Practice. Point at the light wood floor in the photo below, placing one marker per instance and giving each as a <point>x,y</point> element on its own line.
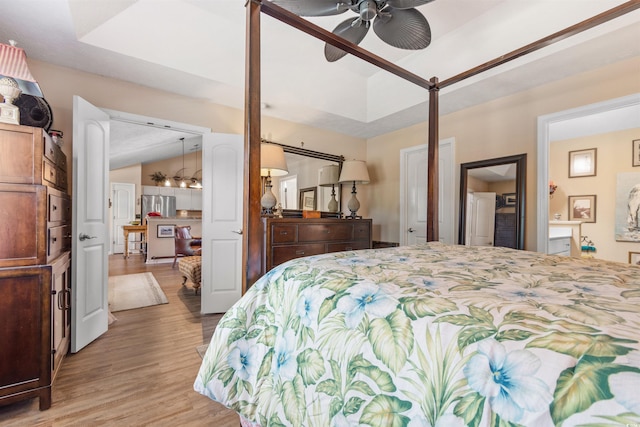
<point>140,373</point>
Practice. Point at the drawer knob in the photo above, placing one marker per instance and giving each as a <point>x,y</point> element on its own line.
<point>54,239</point>
<point>54,207</point>
<point>299,252</point>
<point>348,248</point>
<point>283,233</point>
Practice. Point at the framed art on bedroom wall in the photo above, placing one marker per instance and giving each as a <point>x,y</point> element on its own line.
<point>582,208</point>
<point>582,163</point>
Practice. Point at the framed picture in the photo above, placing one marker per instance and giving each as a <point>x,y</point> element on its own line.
<point>635,152</point>
<point>582,208</point>
<point>307,200</point>
<point>166,230</point>
<point>627,219</point>
<point>509,199</point>
<point>582,163</point>
<point>634,258</point>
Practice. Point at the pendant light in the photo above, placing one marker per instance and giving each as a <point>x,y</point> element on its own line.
<point>183,183</point>
<point>194,181</point>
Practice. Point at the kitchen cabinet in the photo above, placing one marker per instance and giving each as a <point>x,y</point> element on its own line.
<point>35,251</point>
<point>187,199</point>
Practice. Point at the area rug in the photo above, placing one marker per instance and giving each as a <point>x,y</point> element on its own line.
<point>134,291</point>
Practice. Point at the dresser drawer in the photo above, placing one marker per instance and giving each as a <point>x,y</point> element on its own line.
<point>362,231</point>
<point>57,241</point>
<point>347,246</point>
<point>49,173</point>
<point>285,253</point>
<point>281,233</point>
<point>324,232</point>
<point>59,207</point>
<point>560,246</point>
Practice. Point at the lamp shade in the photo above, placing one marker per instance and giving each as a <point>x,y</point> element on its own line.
<point>13,64</point>
<point>272,161</point>
<point>354,171</point>
<point>329,176</point>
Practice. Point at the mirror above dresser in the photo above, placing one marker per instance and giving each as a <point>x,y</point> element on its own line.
<point>307,185</point>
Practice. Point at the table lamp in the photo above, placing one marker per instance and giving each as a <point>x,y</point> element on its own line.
<point>15,79</point>
<point>272,163</point>
<point>354,171</point>
<point>329,177</point>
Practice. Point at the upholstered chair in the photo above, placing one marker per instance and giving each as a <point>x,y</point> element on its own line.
<point>185,244</point>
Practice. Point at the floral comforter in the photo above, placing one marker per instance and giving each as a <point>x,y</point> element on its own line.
<point>432,335</point>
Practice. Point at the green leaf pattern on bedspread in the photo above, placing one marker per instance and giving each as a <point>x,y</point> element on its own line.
<point>432,335</point>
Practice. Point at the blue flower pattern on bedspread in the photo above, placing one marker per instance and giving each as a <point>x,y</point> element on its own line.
<point>432,335</point>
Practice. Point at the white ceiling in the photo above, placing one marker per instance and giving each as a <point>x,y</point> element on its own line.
<point>196,48</point>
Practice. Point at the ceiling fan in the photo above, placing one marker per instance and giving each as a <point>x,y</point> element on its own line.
<point>396,22</point>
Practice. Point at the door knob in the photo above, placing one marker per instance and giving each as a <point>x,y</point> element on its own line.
<point>411,230</point>
<point>237,231</point>
<point>84,237</point>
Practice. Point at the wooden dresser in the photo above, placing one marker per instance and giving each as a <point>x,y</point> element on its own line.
<point>289,238</point>
<point>35,279</point>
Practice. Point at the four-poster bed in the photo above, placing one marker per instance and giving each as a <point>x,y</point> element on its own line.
<point>423,334</point>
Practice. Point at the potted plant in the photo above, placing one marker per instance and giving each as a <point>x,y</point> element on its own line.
<point>158,177</point>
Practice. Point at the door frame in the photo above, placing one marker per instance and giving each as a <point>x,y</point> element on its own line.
<point>112,204</point>
<point>446,182</point>
<point>546,125</point>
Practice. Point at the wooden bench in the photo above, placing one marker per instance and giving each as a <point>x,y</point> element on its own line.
<point>191,269</point>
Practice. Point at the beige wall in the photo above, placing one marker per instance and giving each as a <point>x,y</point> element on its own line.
<point>59,84</point>
<point>613,157</point>
<point>504,127</point>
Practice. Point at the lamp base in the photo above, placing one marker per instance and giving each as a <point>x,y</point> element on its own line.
<point>354,203</point>
<point>9,113</point>
<point>268,200</point>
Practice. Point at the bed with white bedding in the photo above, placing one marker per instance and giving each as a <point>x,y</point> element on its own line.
<point>432,335</point>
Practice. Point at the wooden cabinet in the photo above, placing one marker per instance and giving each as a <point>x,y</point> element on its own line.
<point>35,244</point>
<point>505,230</point>
<point>289,238</point>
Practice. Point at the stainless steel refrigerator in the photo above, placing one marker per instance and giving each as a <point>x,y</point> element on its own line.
<point>166,205</point>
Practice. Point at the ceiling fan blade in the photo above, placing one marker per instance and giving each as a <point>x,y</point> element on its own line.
<point>406,4</point>
<point>403,28</point>
<point>312,7</point>
<point>352,33</point>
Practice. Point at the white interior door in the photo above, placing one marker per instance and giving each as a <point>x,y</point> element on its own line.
<point>89,308</point>
<point>222,212</point>
<point>123,211</point>
<point>413,193</point>
<point>289,192</point>
<point>483,219</point>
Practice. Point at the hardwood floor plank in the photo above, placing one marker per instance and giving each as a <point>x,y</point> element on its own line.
<point>140,372</point>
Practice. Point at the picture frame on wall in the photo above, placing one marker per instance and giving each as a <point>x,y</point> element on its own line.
<point>509,199</point>
<point>634,258</point>
<point>582,208</point>
<point>166,230</point>
<point>307,199</point>
<point>635,152</point>
<point>582,163</point>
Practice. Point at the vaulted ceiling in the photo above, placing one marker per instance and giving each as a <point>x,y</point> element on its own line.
<point>196,48</point>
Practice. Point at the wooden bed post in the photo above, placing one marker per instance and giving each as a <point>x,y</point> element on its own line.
<point>252,225</point>
<point>432,164</point>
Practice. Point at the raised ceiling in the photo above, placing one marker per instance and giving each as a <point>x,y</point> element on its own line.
<point>196,48</point>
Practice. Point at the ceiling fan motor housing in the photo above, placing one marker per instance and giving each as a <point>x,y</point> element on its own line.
<point>368,10</point>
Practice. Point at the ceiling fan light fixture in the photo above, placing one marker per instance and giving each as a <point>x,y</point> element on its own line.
<point>368,10</point>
